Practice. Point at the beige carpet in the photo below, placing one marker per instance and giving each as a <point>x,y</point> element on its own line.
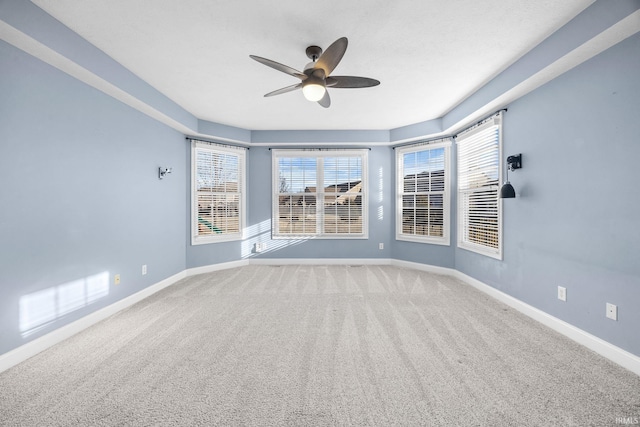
<point>318,345</point>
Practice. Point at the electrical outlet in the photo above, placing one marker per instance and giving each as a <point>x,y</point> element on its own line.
<point>381,246</point>
<point>562,293</point>
<point>612,311</point>
<point>144,269</point>
<point>259,247</point>
<point>116,279</point>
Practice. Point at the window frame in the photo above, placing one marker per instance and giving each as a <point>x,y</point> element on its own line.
<point>240,152</point>
<point>441,143</point>
<point>486,126</point>
<point>319,155</point>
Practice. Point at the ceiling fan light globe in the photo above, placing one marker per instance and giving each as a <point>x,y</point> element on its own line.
<point>313,91</point>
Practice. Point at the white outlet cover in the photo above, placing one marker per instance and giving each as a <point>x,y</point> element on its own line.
<point>612,311</point>
<point>562,293</point>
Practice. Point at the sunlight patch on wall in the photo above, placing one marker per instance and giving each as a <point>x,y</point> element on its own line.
<point>40,308</point>
<point>260,234</point>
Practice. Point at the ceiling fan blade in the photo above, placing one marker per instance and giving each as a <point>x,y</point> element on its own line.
<point>326,100</point>
<point>351,82</point>
<point>332,55</point>
<point>285,90</point>
<point>280,67</point>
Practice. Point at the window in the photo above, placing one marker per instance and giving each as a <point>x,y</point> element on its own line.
<point>422,213</point>
<point>319,193</point>
<point>218,189</point>
<point>479,209</point>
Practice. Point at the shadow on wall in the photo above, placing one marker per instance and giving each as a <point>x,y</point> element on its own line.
<point>41,308</point>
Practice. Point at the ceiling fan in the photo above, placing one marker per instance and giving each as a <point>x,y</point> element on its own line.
<point>315,79</point>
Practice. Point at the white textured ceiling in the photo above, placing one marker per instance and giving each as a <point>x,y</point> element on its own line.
<point>428,54</point>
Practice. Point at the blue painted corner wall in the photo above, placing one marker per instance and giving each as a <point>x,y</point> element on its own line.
<point>80,197</point>
<point>576,219</point>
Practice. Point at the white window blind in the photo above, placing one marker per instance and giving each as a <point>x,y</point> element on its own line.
<point>479,209</point>
<point>319,193</point>
<point>422,202</point>
<point>218,188</point>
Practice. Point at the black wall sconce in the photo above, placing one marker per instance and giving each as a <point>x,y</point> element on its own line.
<point>162,172</point>
<point>513,162</point>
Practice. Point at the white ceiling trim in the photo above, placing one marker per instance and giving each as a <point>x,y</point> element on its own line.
<point>38,50</point>
<point>429,55</point>
<point>613,35</point>
<point>606,39</point>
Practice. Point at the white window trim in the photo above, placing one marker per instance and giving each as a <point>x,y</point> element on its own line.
<point>319,153</point>
<point>470,246</point>
<point>228,237</point>
<point>445,240</point>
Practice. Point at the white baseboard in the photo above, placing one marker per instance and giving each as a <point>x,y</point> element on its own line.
<point>215,267</point>
<point>320,261</point>
<point>608,350</point>
<point>30,349</point>
<point>423,267</point>
<point>615,354</point>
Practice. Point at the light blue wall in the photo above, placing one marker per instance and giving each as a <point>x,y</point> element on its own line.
<point>576,219</point>
<point>79,192</point>
<point>319,136</point>
<point>224,132</point>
